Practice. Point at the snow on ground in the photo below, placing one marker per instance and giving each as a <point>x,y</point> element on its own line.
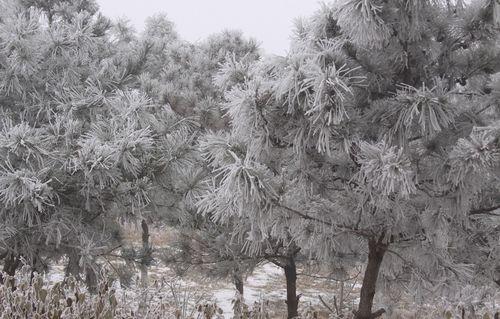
<point>56,274</point>
<point>267,282</point>
<point>255,288</point>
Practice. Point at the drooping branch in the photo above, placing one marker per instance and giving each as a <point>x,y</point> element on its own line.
<point>352,229</point>
<point>485,210</point>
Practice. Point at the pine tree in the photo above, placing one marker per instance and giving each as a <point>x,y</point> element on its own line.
<point>375,141</point>
<point>75,135</point>
<point>179,75</point>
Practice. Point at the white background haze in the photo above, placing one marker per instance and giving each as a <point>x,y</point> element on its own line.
<point>268,21</point>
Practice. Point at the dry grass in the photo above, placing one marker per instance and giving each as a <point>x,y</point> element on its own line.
<point>267,285</point>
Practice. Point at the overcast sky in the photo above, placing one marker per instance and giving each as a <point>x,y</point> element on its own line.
<point>268,21</point>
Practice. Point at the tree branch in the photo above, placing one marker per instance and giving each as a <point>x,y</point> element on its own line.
<point>324,222</point>
<point>485,210</point>
<point>324,304</point>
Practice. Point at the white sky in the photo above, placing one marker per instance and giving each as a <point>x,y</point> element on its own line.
<point>269,22</point>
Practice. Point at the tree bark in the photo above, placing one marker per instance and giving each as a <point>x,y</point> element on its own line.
<point>238,281</point>
<point>238,308</point>
<point>341,298</point>
<point>292,300</point>
<point>376,251</point>
<point>73,267</point>
<point>36,264</point>
<point>91,280</point>
<point>145,252</point>
<point>11,263</point>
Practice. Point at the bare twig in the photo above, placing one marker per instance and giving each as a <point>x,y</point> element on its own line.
<point>326,305</point>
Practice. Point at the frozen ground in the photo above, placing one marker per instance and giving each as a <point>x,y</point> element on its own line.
<point>266,283</point>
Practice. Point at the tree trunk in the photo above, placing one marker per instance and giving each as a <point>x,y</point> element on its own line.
<point>292,300</point>
<point>238,308</point>
<point>238,281</point>
<point>3,255</point>
<point>91,280</point>
<point>145,251</point>
<point>11,263</point>
<point>341,298</point>
<point>36,265</point>
<point>376,251</point>
<point>73,267</point>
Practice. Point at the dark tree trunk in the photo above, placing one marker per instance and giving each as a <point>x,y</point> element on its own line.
<point>376,251</point>
<point>73,267</point>
<point>238,281</point>
<point>292,300</point>
<point>145,252</point>
<point>2,257</point>
<point>37,264</point>
<point>91,280</point>
<point>146,255</point>
<point>11,263</point>
<point>238,302</point>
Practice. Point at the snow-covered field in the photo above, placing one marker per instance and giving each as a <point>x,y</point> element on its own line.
<point>267,283</point>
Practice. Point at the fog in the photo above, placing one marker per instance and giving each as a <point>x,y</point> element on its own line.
<point>269,22</point>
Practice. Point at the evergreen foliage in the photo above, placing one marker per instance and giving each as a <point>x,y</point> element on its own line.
<point>376,135</point>
<point>374,142</point>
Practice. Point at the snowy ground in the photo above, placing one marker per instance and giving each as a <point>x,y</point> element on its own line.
<point>266,283</point>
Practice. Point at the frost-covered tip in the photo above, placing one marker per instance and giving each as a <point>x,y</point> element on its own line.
<point>385,170</point>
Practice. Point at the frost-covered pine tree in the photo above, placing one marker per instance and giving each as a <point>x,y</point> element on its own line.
<point>80,144</point>
<point>374,141</point>
<point>44,56</point>
<point>220,206</point>
<point>178,75</point>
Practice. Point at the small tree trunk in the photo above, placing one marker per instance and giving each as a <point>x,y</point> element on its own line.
<point>238,308</point>
<point>2,257</point>
<point>91,280</point>
<point>144,267</point>
<point>238,281</point>
<point>341,299</point>
<point>11,263</point>
<point>292,300</point>
<point>36,264</point>
<point>376,251</point>
<point>145,250</point>
<point>73,267</point>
